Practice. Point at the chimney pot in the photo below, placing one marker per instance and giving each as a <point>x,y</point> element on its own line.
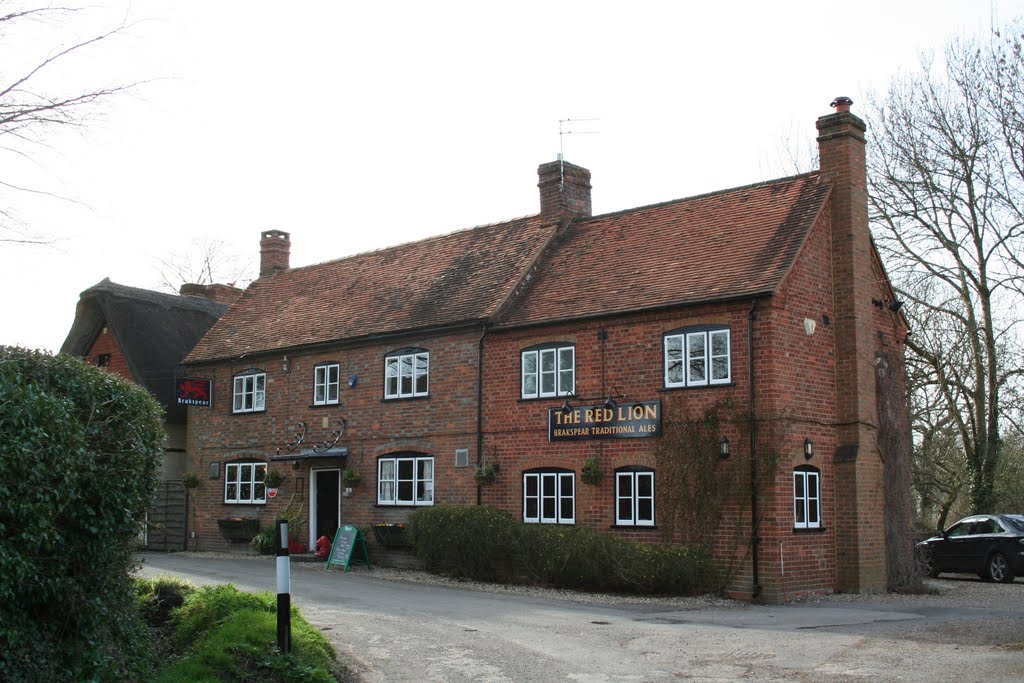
<point>841,104</point>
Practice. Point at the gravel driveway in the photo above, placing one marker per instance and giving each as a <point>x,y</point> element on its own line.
<point>397,625</point>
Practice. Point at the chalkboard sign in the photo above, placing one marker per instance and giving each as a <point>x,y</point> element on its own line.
<point>347,540</point>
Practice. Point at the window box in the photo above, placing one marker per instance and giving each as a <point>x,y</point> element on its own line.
<point>391,535</point>
<point>239,529</point>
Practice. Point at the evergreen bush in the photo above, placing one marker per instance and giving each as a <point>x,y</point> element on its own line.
<point>81,451</point>
<point>486,544</point>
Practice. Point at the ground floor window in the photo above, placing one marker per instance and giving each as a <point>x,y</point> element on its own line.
<point>405,480</point>
<point>549,497</point>
<point>243,482</point>
<point>806,498</point>
<point>634,496</point>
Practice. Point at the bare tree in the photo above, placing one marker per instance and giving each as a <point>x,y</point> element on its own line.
<point>31,106</point>
<point>207,262</point>
<point>946,186</point>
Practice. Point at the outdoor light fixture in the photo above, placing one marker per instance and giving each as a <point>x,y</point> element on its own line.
<point>609,399</point>
<point>723,448</point>
<point>808,449</point>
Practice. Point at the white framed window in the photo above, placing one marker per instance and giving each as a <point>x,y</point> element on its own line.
<point>250,392</point>
<point>549,497</point>
<point>406,373</point>
<point>634,497</point>
<point>326,383</point>
<point>405,480</point>
<point>697,357</point>
<point>549,371</point>
<point>243,482</point>
<point>806,497</point>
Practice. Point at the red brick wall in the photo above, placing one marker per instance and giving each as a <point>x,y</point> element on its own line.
<point>436,426</point>
<point>106,343</point>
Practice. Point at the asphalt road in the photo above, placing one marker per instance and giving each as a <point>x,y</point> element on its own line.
<point>400,631</point>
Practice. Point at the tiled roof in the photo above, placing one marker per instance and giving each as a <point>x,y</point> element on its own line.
<point>459,277</point>
<point>732,243</point>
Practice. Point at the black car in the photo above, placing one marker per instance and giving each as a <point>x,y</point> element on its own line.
<point>991,546</point>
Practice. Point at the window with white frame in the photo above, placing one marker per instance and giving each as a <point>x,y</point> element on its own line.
<point>549,497</point>
<point>250,392</point>
<point>244,482</point>
<point>806,497</point>
<point>549,370</point>
<point>634,496</point>
<point>326,383</point>
<point>405,480</point>
<point>406,373</point>
<point>697,356</point>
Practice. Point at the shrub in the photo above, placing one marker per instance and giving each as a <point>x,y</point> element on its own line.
<point>485,544</point>
<point>79,468</point>
<point>265,541</point>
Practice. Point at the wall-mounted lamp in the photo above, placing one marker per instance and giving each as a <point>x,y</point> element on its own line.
<point>723,448</point>
<point>285,365</point>
<point>808,449</point>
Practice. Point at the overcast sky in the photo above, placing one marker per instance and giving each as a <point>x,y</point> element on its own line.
<point>356,126</point>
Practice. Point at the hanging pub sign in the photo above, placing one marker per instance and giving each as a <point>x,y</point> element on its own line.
<point>615,421</point>
<point>193,391</point>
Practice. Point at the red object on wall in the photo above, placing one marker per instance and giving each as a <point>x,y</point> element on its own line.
<point>323,547</point>
<point>295,546</point>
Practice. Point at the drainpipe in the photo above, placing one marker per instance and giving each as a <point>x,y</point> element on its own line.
<point>480,405</point>
<point>754,541</point>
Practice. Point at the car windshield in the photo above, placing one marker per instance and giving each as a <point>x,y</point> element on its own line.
<point>1016,522</point>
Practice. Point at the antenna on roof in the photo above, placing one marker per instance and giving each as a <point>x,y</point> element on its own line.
<point>562,132</point>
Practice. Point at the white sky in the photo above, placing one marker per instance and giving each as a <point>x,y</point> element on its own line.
<point>356,126</point>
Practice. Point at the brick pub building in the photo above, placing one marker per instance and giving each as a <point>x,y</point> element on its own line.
<point>582,356</point>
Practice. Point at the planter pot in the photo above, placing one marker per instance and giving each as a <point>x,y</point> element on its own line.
<point>239,530</point>
<point>391,535</point>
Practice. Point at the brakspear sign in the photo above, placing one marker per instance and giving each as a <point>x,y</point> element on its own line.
<point>623,421</point>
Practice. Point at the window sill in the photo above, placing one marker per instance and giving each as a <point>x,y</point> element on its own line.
<point>397,399</point>
<point>315,406</point>
<point>249,412</point>
<point>635,527</point>
<point>808,530</point>
<point>727,385</point>
<point>391,506</point>
<point>242,502</point>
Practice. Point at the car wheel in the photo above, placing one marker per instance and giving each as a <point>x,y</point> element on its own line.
<point>926,564</point>
<point>999,568</point>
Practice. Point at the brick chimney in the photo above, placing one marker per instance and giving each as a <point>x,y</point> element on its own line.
<point>859,480</point>
<point>564,191</point>
<point>275,246</point>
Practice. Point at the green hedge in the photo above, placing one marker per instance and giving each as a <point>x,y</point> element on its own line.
<point>81,450</point>
<point>486,544</point>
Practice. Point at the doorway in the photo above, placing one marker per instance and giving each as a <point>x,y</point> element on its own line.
<point>325,503</point>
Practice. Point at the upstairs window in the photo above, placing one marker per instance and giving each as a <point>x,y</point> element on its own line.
<point>549,497</point>
<point>549,370</point>
<point>405,480</point>
<point>698,356</point>
<point>634,496</point>
<point>326,381</point>
<point>244,482</point>
<point>250,392</point>
<point>406,373</point>
<point>806,497</point>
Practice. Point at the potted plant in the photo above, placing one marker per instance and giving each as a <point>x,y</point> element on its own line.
<point>239,529</point>
<point>351,477</point>
<point>485,473</point>
<point>273,479</point>
<point>591,473</point>
<point>190,479</point>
